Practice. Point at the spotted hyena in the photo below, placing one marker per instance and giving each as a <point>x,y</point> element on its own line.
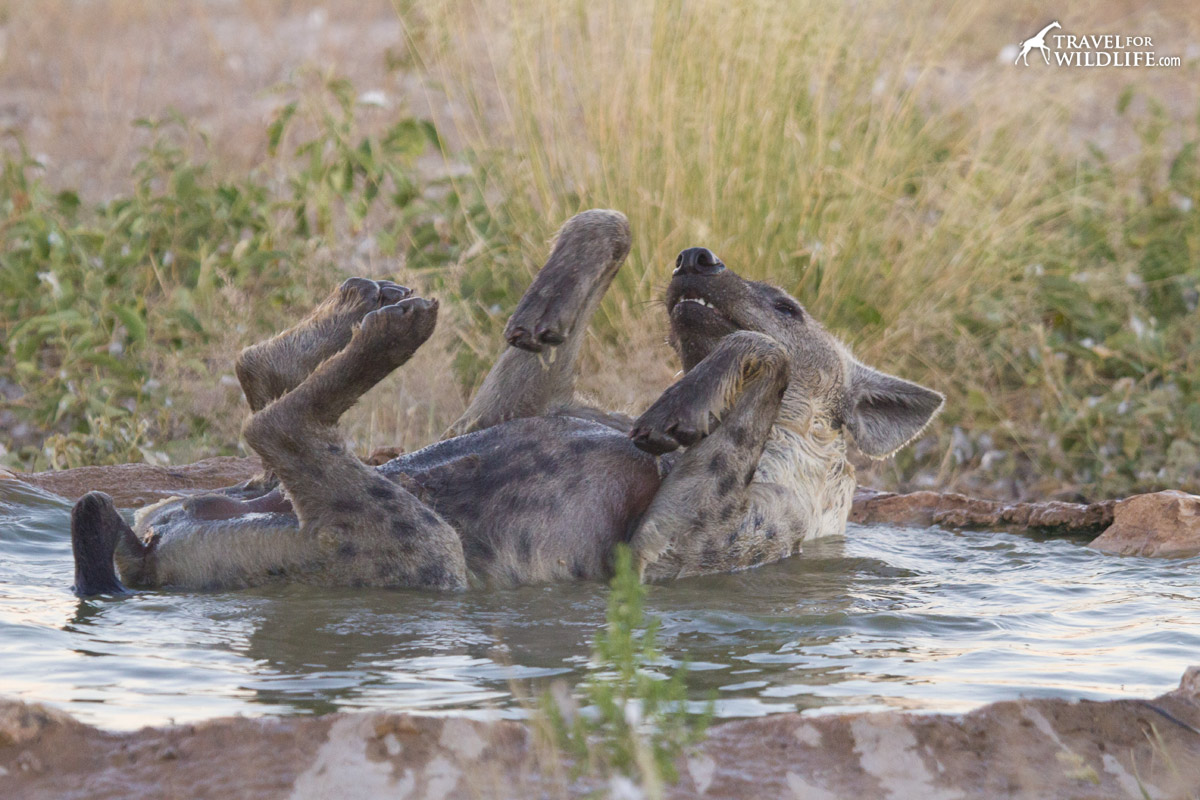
<point>735,465</point>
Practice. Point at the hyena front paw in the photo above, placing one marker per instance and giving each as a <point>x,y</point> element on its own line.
<point>587,253</point>
<point>397,330</point>
<point>675,420</point>
<point>357,297</point>
<point>540,322</point>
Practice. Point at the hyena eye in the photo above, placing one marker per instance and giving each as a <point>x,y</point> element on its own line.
<point>789,309</point>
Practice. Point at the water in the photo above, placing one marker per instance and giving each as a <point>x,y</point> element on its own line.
<point>886,618</point>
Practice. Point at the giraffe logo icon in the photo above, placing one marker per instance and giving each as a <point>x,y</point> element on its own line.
<point>1038,41</point>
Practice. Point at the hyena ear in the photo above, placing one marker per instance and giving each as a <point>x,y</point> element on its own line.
<point>884,412</point>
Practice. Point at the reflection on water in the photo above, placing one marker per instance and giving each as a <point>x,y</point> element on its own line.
<point>888,617</point>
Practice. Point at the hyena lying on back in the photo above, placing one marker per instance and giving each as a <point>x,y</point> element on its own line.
<point>735,465</point>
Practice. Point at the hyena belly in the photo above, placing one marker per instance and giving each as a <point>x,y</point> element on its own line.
<point>536,499</point>
<point>533,500</point>
<point>186,550</point>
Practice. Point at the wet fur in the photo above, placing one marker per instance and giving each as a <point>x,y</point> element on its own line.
<point>735,465</point>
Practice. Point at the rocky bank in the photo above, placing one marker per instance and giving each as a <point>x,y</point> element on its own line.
<point>1035,748</point>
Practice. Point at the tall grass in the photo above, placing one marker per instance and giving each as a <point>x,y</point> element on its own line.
<point>811,144</point>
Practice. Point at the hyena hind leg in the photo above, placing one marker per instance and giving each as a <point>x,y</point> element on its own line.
<point>370,531</point>
<point>536,373</point>
<point>268,370</point>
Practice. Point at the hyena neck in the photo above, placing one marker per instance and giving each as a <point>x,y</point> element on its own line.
<point>809,461</point>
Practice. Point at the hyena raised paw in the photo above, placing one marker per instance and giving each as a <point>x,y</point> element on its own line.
<point>270,369</point>
<point>679,418</point>
<point>390,335</point>
<point>587,254</point>
<point>357,297</point>
<point>329,327</point>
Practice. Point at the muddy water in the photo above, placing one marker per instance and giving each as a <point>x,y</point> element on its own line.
<point>888,617</point>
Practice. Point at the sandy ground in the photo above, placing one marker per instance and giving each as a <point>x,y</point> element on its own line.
<point>75,76</point>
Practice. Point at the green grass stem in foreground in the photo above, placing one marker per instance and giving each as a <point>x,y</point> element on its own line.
<point>635,721</point>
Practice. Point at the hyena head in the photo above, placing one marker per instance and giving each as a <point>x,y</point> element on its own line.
<point>829,392</point>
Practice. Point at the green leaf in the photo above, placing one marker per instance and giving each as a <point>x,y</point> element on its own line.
<point>132,321</point>
<point>276,129</point>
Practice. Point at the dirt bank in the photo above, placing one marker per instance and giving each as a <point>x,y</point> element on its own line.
<point>1037,748</point>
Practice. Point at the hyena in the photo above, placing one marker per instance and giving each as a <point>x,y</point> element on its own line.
<point>735,465</point>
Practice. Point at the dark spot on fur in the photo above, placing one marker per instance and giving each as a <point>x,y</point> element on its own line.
<point>433,575</point>
<point>579,570</point>
<point>578,447</point>
<point>523,446</point>
<point>429,518</point>
<point>383,571</point>
<point>741,436</point>
<point>758,519</point>
<point>346,506</point>
<point>726,484</point>
<point>347,550</point>
<point>479,550</point>
<point>718,464</point>
<point>770,534</point>
<point>525,545</point>
<point>402,528</point>
<point>334,448</point>
<point>733,537</point>
<point>727,512</point>
<point>382,491</point>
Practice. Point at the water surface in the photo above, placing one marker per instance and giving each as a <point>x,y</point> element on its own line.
<point>886,618</point>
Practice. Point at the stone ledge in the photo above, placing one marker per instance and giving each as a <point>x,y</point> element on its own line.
<point>1034,748</point>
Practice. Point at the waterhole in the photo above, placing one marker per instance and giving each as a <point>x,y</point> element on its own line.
<point>887,617</point>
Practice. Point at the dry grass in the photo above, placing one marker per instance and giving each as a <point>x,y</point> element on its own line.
<point>884,166</point>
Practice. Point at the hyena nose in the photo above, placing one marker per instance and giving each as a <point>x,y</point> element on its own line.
<point>697,261</point>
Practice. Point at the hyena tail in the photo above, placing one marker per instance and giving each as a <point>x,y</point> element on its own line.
<point>96,529</point>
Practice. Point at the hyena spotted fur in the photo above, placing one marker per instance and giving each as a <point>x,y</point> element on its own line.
<point>735,465</point>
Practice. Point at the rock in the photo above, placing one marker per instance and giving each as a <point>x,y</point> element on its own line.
<point>1028,749</point>
<point>136,485</point>
<point>1159,525</point>
<point>959,511</point>
<point>21,723</point>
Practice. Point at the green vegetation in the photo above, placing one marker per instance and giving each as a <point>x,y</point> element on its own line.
<point>102,306</point>
<point>636,721</point>
<point>1048,288</point>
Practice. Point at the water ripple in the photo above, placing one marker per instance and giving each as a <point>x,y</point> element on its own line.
<point>889,617</point>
